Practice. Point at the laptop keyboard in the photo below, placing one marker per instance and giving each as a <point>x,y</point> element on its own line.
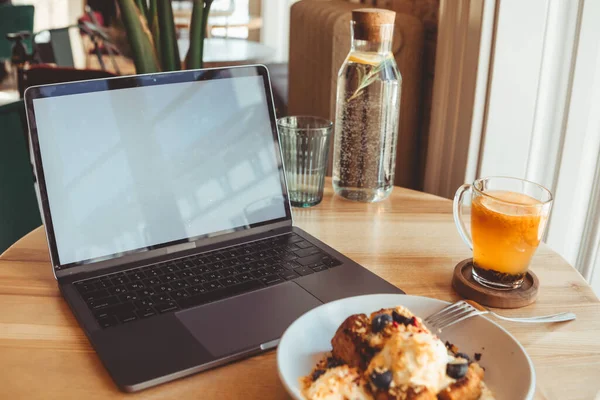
<point>143,292</point>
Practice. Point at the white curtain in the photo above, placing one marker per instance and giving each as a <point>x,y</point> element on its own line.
<point>543,117</point>
<point>54,13</point>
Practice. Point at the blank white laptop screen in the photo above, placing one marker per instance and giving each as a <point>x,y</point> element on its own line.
<point>127,169</point>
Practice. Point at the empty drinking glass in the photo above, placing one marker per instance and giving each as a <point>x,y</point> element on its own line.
<point>305,147</point>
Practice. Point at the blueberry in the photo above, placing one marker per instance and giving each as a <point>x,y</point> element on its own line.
<point>457,370</point>
<point>401,319</point>
<point>382,380</point>
<point>380,321</point>
<point>317,374</point>
<point>332,363</point>
<point>463,355</point>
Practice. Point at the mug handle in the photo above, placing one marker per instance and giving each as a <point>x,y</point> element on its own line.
<point>457,211</point>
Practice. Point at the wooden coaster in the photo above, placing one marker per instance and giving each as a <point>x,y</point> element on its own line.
<point>467,287</point>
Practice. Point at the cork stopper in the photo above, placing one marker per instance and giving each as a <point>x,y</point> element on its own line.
<point>368,21</point>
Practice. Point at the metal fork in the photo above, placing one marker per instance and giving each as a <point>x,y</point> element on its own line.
<point>464,309</point>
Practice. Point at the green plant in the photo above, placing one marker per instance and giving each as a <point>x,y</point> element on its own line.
<point>150,28</point>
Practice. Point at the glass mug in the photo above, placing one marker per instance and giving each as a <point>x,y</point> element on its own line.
<point>508,219</point>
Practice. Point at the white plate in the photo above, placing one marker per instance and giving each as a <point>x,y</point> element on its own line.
<point>509,371</point>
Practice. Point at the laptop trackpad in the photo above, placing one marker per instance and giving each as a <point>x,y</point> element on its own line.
<point>247,321</point>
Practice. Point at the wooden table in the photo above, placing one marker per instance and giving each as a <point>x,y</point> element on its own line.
<point>218,52</point>
<point>251,22</point>
<point>410,240</point>
<point>182,20</point>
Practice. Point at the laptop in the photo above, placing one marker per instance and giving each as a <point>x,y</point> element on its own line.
<point>166,211</point>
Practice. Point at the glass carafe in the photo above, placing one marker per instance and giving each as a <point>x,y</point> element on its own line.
<point>367,112</point>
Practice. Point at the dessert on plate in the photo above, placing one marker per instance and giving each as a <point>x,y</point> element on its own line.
<point>391,355</point>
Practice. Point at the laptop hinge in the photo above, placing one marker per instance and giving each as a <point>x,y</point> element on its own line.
<point>180,247</point>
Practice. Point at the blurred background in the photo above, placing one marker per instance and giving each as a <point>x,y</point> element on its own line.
<point>490,87</point>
